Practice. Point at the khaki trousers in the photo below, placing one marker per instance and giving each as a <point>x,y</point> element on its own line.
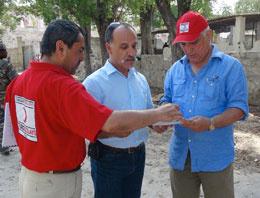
<point>186,184</point>
<point>42,185</point>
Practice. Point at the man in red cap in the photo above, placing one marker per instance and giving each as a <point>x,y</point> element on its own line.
<point>211,90</point>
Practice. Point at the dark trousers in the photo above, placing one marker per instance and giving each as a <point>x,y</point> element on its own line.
<point>118,174</point>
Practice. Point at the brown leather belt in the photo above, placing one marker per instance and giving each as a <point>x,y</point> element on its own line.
<point>64,171</point>
<point>129,150</point>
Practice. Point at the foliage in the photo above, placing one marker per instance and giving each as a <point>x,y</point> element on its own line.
<point>66,9</point>
<point>133,9</point>
<point>222,9</point>
<point>157,21</point>
<point>10,15</point>
<point>247,6</point>
<point>204,7</point>
<point>226,11</point>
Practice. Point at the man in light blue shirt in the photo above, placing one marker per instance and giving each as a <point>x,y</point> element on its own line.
<point>210,88</point>
<point>118,172</point>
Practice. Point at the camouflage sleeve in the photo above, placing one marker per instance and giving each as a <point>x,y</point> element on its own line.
<point>11,72</point>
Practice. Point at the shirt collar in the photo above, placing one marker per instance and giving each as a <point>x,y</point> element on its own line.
<point>110,69</point>
<point>48,66</point>
<point>215,54</point>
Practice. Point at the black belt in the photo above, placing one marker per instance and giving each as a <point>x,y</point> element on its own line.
<point>64,171</point>
<point>129,150</point>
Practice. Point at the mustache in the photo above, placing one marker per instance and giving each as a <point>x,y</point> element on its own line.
<point>129,58</point>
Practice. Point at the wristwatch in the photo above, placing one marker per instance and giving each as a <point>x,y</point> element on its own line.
<point>211,126</point>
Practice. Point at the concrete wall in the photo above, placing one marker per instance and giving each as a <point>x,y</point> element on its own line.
<point>252,68</point>
<point>16,55</point>
<point>13,54</point>
<point>239,40</point>
<point>154,67</point>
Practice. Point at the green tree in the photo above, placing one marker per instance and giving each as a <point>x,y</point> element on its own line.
<point>146,15</point>
<point>247,6</point>
<point>226,11</point>
<point>66,9</point>
<point>10,15</point>
<point>222,10</point>
<point>143,11</point>
<point>171,10</point>
<point>170,20</point>
<point>83,12</point>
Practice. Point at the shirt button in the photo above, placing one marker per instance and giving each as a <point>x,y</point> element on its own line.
<point>189,140</point>
<point>193,96</point>
<point>195,81</point>
<point>190,110</point>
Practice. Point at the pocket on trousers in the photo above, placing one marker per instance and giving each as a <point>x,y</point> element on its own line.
<point>31,187</point>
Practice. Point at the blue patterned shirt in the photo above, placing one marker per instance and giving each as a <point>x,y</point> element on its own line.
<point>219,85</point>
<point>116,91</point>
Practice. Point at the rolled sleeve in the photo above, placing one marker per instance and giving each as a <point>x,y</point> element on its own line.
<point>237,95</point>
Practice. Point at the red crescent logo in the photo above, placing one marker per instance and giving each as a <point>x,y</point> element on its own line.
<point>25,117</point>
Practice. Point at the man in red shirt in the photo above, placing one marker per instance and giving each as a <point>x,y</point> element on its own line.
<point>51,114</point>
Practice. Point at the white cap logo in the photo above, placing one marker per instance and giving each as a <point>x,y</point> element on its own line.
<point>184,27</point>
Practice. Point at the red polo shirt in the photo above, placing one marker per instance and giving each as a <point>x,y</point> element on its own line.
<point>51,115</point>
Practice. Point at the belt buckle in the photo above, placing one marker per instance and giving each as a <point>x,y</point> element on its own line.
<point>130,150</point>
<point>64,171</point>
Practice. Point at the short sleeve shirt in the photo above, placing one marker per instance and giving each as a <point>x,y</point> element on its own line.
<point>51,115</point>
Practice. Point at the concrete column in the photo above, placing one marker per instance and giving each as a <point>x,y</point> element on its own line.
<point>20,54</point>
<point>231,36</point>
<point>258,30</point>
<point>239,34</point>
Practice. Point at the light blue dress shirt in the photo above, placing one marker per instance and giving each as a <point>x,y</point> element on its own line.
<point>219,85</point>
<point>116,91</point>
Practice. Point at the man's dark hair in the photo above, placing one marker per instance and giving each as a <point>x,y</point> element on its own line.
<point>112,26</point>
<point>60,29</point>
<point>3,54</point>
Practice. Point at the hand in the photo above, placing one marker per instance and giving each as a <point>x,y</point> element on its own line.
<point>197,123</point>
<point>160,129</point>
<point>103,134</point>
<point>169,112</point>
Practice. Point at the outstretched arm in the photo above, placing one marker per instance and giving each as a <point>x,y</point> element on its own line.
<point>123,121</point>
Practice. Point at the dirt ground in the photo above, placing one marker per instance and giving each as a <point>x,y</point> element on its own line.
<point>246,166</point>
<point>156,182</point>
<point>247,142</point>
<point>247,139</point>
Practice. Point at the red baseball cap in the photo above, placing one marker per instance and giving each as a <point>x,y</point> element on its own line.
<point>189,27</point>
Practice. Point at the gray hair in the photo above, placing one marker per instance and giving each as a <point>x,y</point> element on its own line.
<point>203,33</point>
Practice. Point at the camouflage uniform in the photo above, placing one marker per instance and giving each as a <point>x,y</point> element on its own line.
<point>7,74</point>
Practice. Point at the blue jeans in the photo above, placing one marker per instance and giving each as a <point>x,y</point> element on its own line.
<point>118,174</point>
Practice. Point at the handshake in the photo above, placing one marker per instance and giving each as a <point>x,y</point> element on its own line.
<point>123,123</point>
